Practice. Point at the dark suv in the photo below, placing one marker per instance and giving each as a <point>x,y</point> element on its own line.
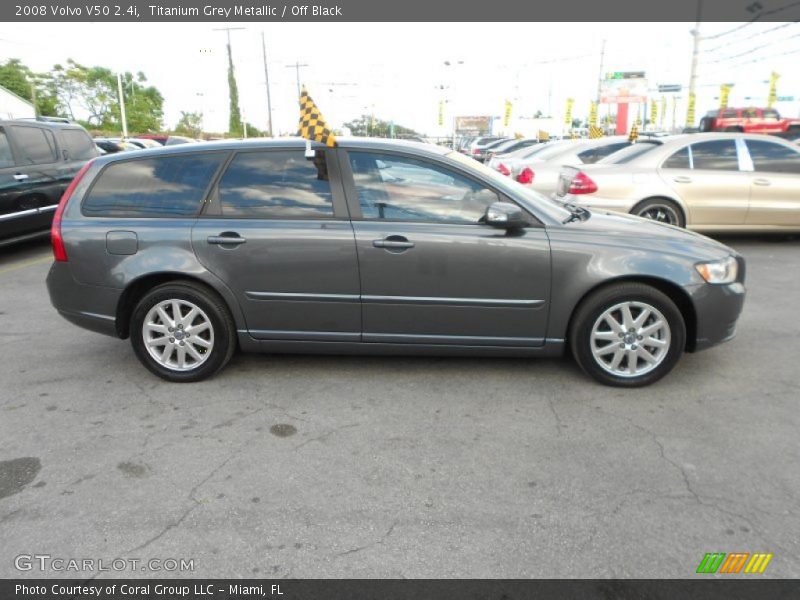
<point>373,247</point>
<point>38,159</point>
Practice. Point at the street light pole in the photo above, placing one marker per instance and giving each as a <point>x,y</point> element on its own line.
<point>447,63</point>
<point>122,107</point>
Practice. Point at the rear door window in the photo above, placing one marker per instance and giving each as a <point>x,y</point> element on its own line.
<point>166,186</point>
<point>36,146</point>
<point>78,144</point>
<point>716,155</point>
<point>276,184</point>
<point>769,157</point>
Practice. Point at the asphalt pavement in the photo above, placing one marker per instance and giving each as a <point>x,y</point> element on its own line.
<point>319,466</point>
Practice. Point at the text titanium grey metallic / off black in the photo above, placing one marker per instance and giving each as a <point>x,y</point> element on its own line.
<point>374,247</point>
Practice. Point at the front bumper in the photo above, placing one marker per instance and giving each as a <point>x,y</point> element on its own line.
<point>89,306</point>
<point>717,308</point>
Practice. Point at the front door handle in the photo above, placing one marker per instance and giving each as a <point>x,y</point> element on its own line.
<point>760,181</point>
<point>225,240</point>
<point>393,242</point>
<point>20,176</point>
<point>682,179</point>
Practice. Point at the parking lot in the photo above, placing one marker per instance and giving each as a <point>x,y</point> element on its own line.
<point>319,466</point>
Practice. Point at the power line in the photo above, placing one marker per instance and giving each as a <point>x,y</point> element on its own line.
<point>754,49</point>
<point>749,37</point>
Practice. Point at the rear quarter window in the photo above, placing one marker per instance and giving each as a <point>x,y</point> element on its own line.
<point>164,186</point>
<point>78,144</point>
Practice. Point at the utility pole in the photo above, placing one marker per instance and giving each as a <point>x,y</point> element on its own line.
<point>695,55</point>
<point>122,107</point>
<point>600,75</point>
<point>266,77</point>
<point>297,66</point>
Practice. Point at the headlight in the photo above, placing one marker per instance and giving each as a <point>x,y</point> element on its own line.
<point>720,271</point>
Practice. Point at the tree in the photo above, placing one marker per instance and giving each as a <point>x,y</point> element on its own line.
<point>18,78</point>
<point>190,124</point>
<point>367,125</point>
<point>92,92</point>
<point>235,119</point>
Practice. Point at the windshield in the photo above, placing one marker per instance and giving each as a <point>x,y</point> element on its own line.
<point>552,208</point>
<point>629,153</point>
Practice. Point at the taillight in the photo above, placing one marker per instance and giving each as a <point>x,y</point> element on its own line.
<point>503,169</point>
<point>476,151</point>
<point>582,184</point>
<point>526,175</point>
<point>59,251</point>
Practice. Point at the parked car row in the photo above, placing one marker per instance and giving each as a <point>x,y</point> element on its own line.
<point>113,145</point>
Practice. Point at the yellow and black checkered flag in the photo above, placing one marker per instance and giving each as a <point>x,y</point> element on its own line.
<point>595,132</point>
<point>634,135</point>
<point>312,126</point>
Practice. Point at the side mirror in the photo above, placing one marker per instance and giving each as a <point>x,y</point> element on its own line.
<point>505,215</point>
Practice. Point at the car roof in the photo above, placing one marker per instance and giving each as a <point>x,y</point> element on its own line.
<point>353,143</point>
<point>47,124</point>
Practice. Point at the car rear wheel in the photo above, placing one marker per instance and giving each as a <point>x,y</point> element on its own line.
<point>661,210</point>
<point>627,335</point>
<point>182,332</point>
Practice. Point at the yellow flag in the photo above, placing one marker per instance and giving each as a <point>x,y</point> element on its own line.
<point>773,89</point>
<point>690,111</point>
<point>634,135</point>
<point>507,113</point>
<point>312,125</point>
<point>568,112</point>
<point>724,93</point>
<point>593,114</point>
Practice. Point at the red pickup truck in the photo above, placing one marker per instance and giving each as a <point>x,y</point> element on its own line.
<point>750,120</point>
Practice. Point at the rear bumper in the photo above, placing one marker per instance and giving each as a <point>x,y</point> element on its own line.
<point>718,308</point>
<point>88,306</point>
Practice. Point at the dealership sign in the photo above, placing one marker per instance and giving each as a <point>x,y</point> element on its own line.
<point>473,124</point>
<point>624,87</point>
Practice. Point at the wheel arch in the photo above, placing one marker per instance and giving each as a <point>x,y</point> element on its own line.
<point>138,287</point>
<point>673,291</point>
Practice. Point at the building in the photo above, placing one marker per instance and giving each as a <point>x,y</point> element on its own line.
<point>15,107</point>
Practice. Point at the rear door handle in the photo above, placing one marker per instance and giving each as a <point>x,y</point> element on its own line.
<point>393,242</point>
<point>20,176</point>
<point>762,181</point>
<point>225,240</point>
<point>682,179</point>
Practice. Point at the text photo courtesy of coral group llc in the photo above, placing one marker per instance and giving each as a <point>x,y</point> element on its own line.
<point>414,301</point>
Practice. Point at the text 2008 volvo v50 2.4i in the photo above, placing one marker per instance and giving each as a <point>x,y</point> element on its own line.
<point>374,247</point>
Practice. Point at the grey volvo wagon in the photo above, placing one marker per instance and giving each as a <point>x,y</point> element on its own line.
<point>371,247</point>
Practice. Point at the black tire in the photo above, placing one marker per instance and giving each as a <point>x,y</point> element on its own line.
<point>661,210</point>
<point>222,331</point>
<point>588,315</point>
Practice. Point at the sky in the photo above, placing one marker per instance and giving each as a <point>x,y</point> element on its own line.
<point>397,70</point>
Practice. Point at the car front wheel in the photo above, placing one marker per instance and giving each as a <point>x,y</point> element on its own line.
<point>627,335</point>
<point>182,332</point>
